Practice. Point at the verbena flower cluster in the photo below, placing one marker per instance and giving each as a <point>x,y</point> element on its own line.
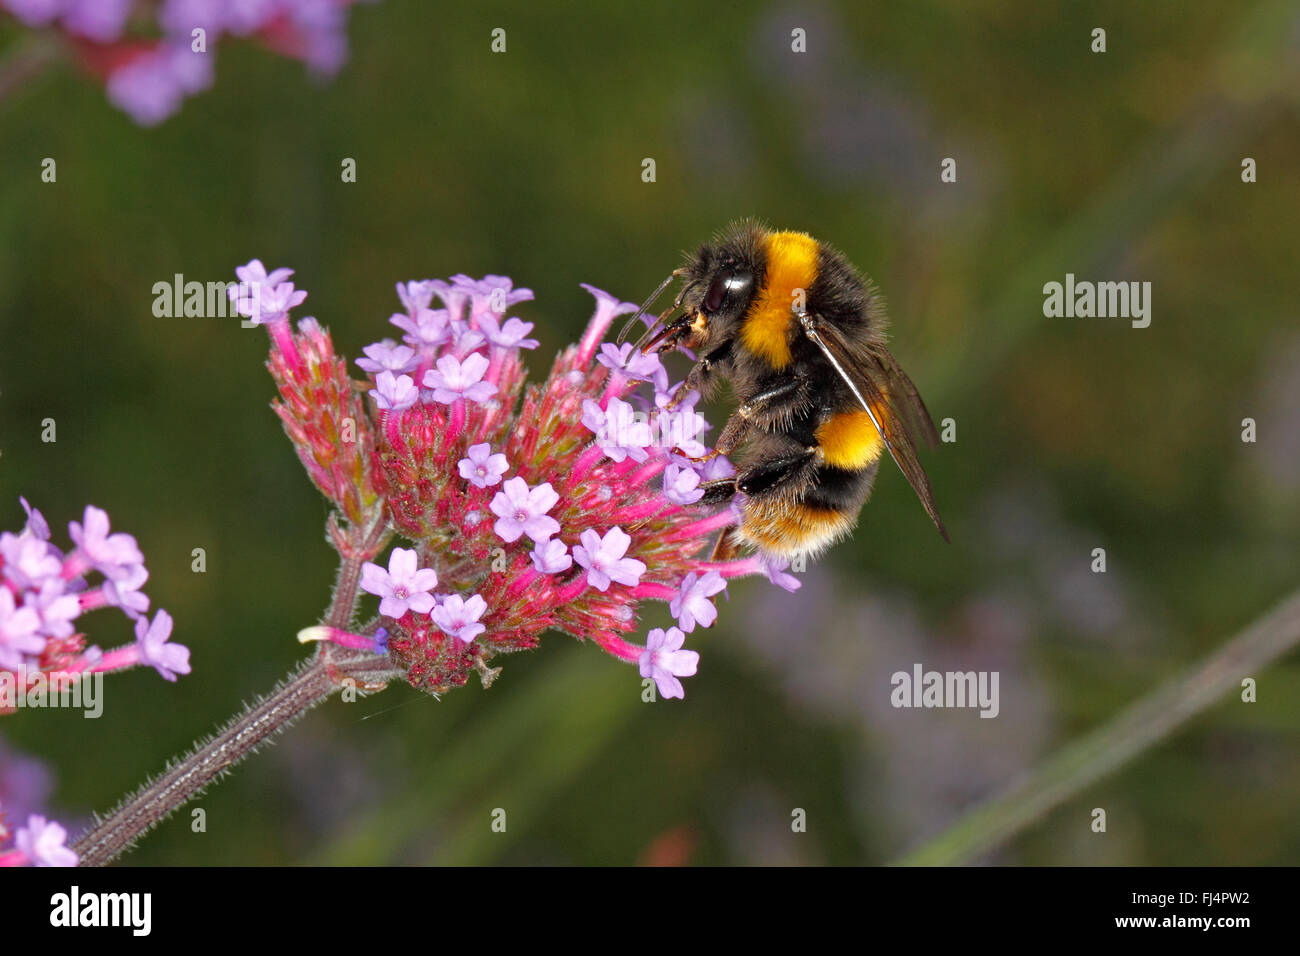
<point>44,591</point>
<point>529,507</point>
<point>148,54</point>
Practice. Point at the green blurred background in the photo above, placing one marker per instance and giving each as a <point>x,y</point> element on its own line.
<point>1072,434</point>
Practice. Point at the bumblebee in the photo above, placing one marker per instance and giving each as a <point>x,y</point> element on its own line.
<point>799,334</point>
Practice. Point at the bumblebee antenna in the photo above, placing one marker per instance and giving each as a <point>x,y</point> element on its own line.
<point>622,336</point>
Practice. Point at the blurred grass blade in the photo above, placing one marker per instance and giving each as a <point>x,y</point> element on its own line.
<point>1096,754</point>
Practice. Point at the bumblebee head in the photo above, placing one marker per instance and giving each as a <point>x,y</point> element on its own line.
<point>718,286</point>
<point>719,281</point>
<point>717,292</point>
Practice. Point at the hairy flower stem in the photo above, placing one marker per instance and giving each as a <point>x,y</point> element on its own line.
<point>346,588</point>
<point>304,688</point>
<point>355,546</point>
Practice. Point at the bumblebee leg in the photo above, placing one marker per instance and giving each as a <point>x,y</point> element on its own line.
<point>758,404</point>
<point>719,491</point>
<point>760,478</point>
<point>733,433</point>
<point>727,546</point>
<point>697,377</point>
<point>742,421</point>
<point>769,474</point>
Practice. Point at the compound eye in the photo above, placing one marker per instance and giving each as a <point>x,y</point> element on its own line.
<point>717,292</point>
<point>739,281</point>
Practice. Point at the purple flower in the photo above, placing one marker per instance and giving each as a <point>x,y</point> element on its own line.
<point>42,842</point>
<point>151,638</point>
<point>37,526</point>
<point>416,295</point>
<point>774,568</point>
<point>25,783</point>
<point>113,555</point>
<point>491,295</point>
<point>28,561</point>
<point>604,561</point>
<point>191,71</point>
<point>465,340</point>
<point>34,13</point>
<point>404,586</point>
<point>508,336</point>
<point>719,466</point>
<point>459,618</point>
<point>692,606</point>
<point>635,364</point>
<point>388,356</point>
<point>610,307</point>
<point>482,468</point>
<point>522,511</point>
<point>666,396</point>
<point>680,425</point>
<point>125,592</point>
<point>682,485</point>
<point>100,20</point>
<point>18,631</point>
<point>179,17</point>
<point>665,661</point>
<point>618,431</point>
<point>429,328</point>
<point>255,274</point>
<point>678,429</point>
<point>453,296</point>
<point>152,86</point>
<point>57,608</point>
<point>454,379</point>
<point>276,301</point>
<point>394,392</point>
<point>551,557</point>
<point>264,298</point>
<point>320,26</point>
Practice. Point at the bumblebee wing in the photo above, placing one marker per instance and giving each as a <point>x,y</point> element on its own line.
<point>905,396</point>
<point>889,397</point>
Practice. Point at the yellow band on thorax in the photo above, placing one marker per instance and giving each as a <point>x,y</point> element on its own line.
<point>791,268</point>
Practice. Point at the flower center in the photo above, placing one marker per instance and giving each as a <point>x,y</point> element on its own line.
<point>401,592</point>
<point>521,516</point>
